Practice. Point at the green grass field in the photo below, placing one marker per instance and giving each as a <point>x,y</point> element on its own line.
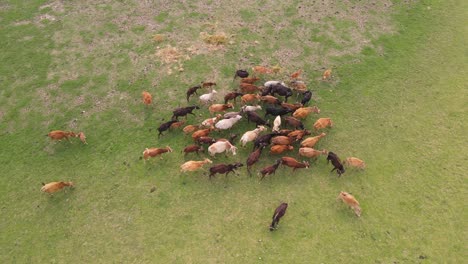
<point>397,99</point>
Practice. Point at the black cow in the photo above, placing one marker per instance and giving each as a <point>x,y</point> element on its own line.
<point>224,168</point>
<point>281,90</point>
<point>279,212</point>
<point>165,127</point>
<point>336,162</point>
<point>183,111</point>
<point>277,111</point>
<point>192,90</point>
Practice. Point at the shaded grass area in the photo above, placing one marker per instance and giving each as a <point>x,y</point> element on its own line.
<point>402,111</point>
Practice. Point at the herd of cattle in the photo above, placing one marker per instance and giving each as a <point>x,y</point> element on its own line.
<point>287,129</point>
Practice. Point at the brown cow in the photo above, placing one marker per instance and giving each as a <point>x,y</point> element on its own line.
<point>59,135</point>
<point>293,163</point>
<point>153,152</point>
<point>52,187</point>
<point>323,123</point>
<point>147,98</point>
<point>278,149</point>
<point>350,201</point>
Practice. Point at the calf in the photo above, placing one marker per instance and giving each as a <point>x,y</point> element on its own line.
<point>192,90</point>
<point>326,74</point>
<point>208,84</point>
<point>183,111</point>
<point>232,96</point>
<point>224,168</point>
<point>270,169</point>
<point>190,129</point>
<point>350,201</point>
<point>52,187</point>
<point>279,212</point>
<point>354,162</point>
<point>153,152</point>
<point>293,163</point>
<point>82,137</point>
<point>177,124</point>
<point>165,126</point>
<point>59,135</point>
<point>336,162</point>
<point>192,148</point>
<point>147,98</point>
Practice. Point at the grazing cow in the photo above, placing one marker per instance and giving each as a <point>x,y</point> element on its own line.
<point>247,98</point>
<point>269,99</point>
<point>279,212</point>
<point>254,157</point>
<point>254,117</point>
<point>294,122</point>
<point>232,96</point>
<point>241,74</point>
<point>311,141</point>
<point>276,111</point>
<point>52,187</point>
<point>208,97</point>
<point>251,80</point>
<point>82,137</point>
<point>251,135</point>
<point>193,165</point>
<point>248,88</point>
<point>323,123</point>
<point>336,162</point>
<point>183,111</point>
<point>192,90</point>
<point>219,107</point>
<point>206,140</point>
<point>293,163</point>
<point>201,133</point>
<point>326,74</point>
<point>165,126</point>
<point>276,124</point>
<point>282,140</point>
<point>303,112</point>
<point>270,169</point>
<point>348,199</point>
<point>153,152</point>
<point>220,147</point>
<point>298,134</point>
<point>59,135</point>
<point>306,96</point>
<point>147,98</point>
<point>225,168</point>
<point>296,74</point>
<point>292,107</point>
<point>312,153</point>
<point>354,162</point>
<point>281,90</point>
<point>278,149</point>
<point>192,148</point>
<point>227,123</point>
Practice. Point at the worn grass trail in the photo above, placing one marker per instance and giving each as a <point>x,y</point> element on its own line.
<point>403,112</point>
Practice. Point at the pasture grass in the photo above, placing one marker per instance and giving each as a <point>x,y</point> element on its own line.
<point>400,105</point>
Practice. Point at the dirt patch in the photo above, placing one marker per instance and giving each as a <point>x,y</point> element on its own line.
<point>56,6</point>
